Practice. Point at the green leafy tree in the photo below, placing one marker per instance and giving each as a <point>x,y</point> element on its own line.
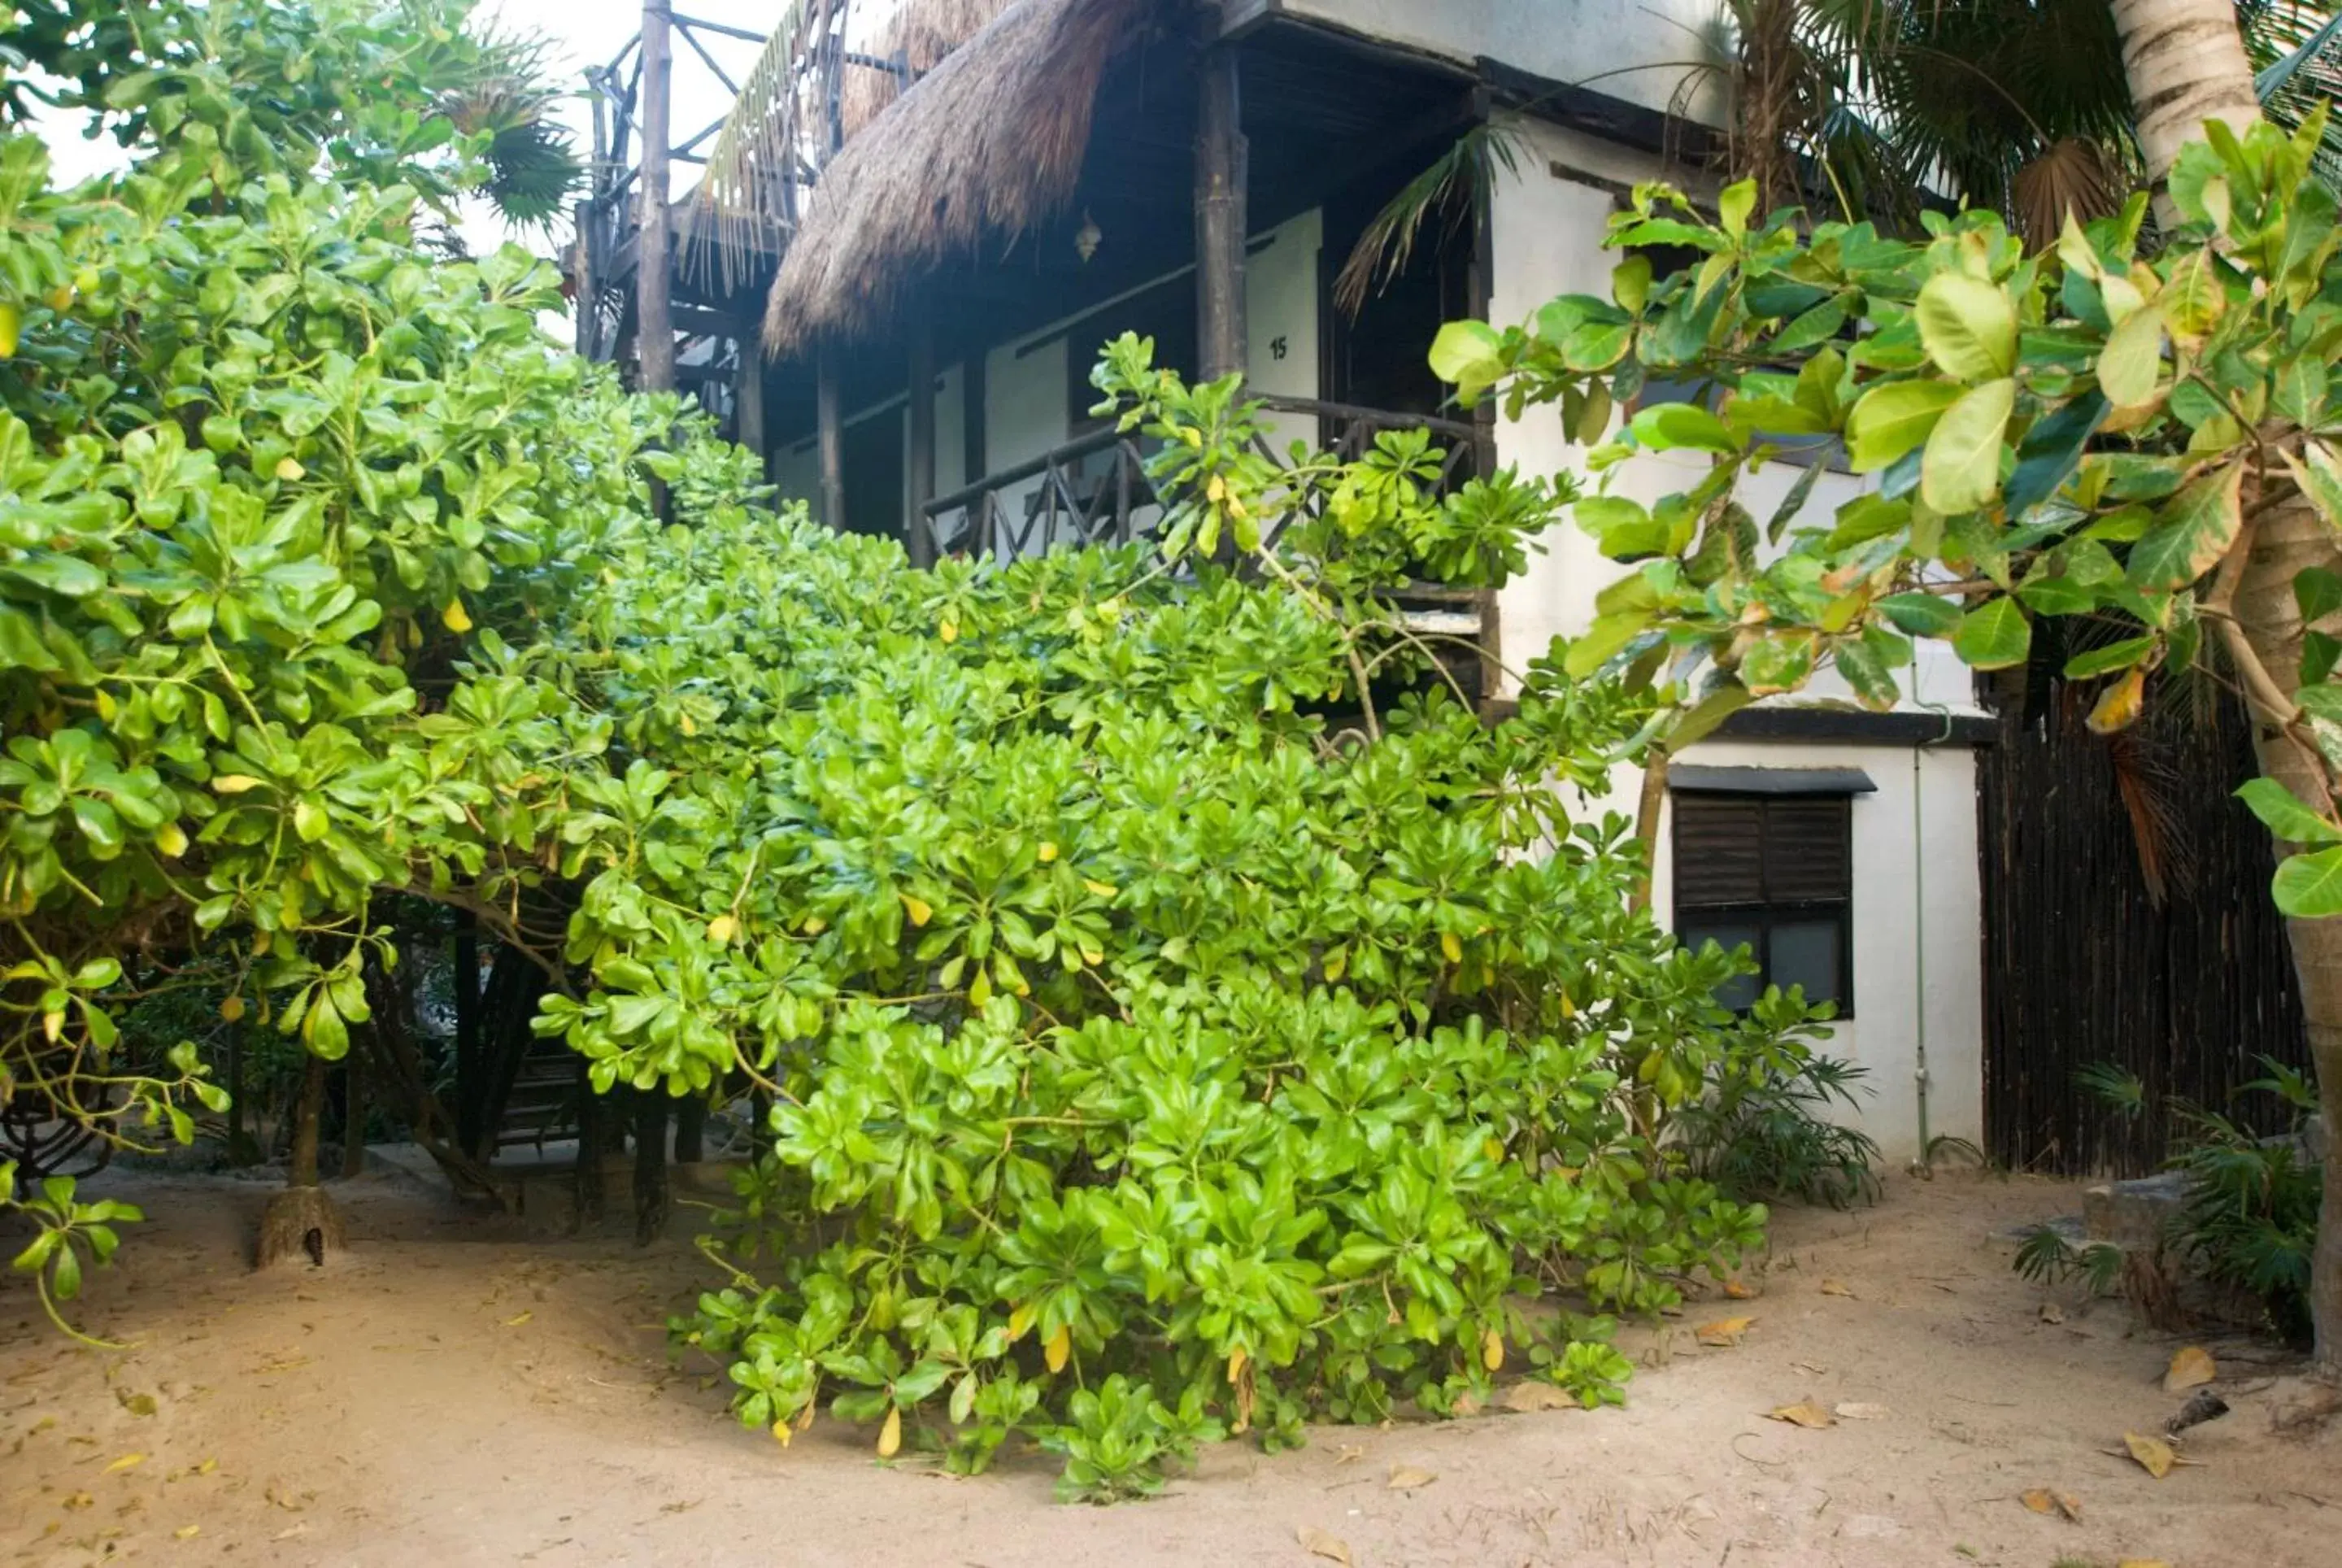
<point>271,474</point>
<point>2135,451</point>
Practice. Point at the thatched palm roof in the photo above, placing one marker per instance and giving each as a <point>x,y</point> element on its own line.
<point>918,32</point>
<point>988,143</point>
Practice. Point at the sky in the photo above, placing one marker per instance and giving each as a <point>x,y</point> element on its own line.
<point>580,32</point>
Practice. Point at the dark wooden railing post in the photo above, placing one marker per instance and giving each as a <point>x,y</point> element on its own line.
<point>1221,176</point>
<point>920,470</point>
<point>830,424</point>
<point>748,395</point>
<point>655,336</point>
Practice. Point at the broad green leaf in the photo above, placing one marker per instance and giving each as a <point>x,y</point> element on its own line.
<point>2131,364</point>
<point>1892,419</point>
<point>1663,426</point>
<point>1961,468</point>
<point>2317,592</point>
<point>2107,659</point>
<point>1468,355</point>
<point>1968,325</point>
<point>1782,661</point>
<point>2285,815</point>
<point>1602,640</point>
<point>1994,635</point>
<point>1922,614</point>
<point>1702,718</point>
<point>2193,531</point>
<point>2052,451</point>
<point>2309,887</point>
<point>2319,475</point>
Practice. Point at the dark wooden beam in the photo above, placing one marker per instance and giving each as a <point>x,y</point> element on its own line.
<point>655,339</point>
<point>748,395</point>
<point>830,422</point>
<point>971,418</point>
<point>920,470</point>
<point>1220,190</point>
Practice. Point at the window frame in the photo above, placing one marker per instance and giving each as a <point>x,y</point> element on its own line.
<point>1763,912</point>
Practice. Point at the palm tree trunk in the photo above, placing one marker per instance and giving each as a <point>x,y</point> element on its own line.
<point>2185,62</point>
<point>2285,541</point>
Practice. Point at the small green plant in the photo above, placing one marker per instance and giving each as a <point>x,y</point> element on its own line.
<point>2113,1085</point>
<point>2249,1216</point>
<point>1763,1130</point>
<point>2047,1258</point>
<point>1121,1440</point>
<point>69,1230</point>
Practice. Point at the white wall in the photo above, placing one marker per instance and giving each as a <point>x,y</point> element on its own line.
<point>1913,877</point>
<point>1637,50</point>
<point>1547,230</point>
<point>1281,295</point>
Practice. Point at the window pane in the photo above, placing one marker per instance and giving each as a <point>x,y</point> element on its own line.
<point>1741,990</point>
<point>1806,954</point>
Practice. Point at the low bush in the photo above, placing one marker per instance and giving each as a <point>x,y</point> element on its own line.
<point>1165,1042</point>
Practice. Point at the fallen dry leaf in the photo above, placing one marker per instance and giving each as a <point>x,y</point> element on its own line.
<point>2062,1504</point>
<point>1350,1451</point>
<point>1524,1398</point>
<point>188,1532</point>
<point>516,1321</point>
<point>1860,1409</point>
<point>128,1462</point>
<point>1814,1368</point>
<point>1723,1332</point>
<point>135,1403</point>
<point>1837,1288</point>
<point>2191,1367</point>
<point>1805,1413</point>
<point>1406,1478</point>
<point>2142,1563</point>
<point>2051,1312</point>
<point>1739,1291</point>
<point>1318,1543</point>
<point>2154,1455</point>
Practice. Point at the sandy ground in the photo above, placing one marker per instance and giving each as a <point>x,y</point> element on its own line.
<point>450,1393</point>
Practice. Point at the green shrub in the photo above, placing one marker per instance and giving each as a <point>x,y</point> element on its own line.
<point>1154,1051</point>
<point>2248,1220</point>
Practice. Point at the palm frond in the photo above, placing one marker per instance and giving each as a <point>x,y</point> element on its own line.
<point>1457,181</point>
<point>749,196</point>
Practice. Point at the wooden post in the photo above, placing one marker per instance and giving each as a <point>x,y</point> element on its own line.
<point>353,1114</point>
<point>691,1129</point>
<point>971,418</point>
<point>583,302</point>
<point>650,1164</point>
<point>920,470</point>
<point>655,336</point>
<point>592,1116</point>
<point>302,1167</point>
<point>748,395</point>
<point>471,1088</point>
<point>1221,176</point>
<point>832,429</point>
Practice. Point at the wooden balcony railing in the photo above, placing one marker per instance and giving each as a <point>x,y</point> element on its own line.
<point>1094,489</point>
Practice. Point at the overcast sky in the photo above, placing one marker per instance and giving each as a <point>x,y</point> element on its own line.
<point>582,31</point>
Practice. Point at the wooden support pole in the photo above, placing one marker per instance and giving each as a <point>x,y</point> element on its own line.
<point>593,1115</point>
<point>831,423</point>
<point>655,336</point>
<point>353,1114</point>
<point>588,231</point>
<point>973,456</point>
<point>1221,176</point>
<point>471,1083</point>
<point>919,468</point>
<point>691,1129</point>
<point>748,395</point>
<point>302,1167</point>
<point>650,1164</point>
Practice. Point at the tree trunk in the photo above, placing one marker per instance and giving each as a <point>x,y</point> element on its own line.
<point>2286,540</point>
<point>2186,63</point>
<point>303,1165</point>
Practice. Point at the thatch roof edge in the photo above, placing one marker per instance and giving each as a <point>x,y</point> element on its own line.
<point>989,142</point>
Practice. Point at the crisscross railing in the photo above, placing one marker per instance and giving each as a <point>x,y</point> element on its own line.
<point>1094,489</point>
